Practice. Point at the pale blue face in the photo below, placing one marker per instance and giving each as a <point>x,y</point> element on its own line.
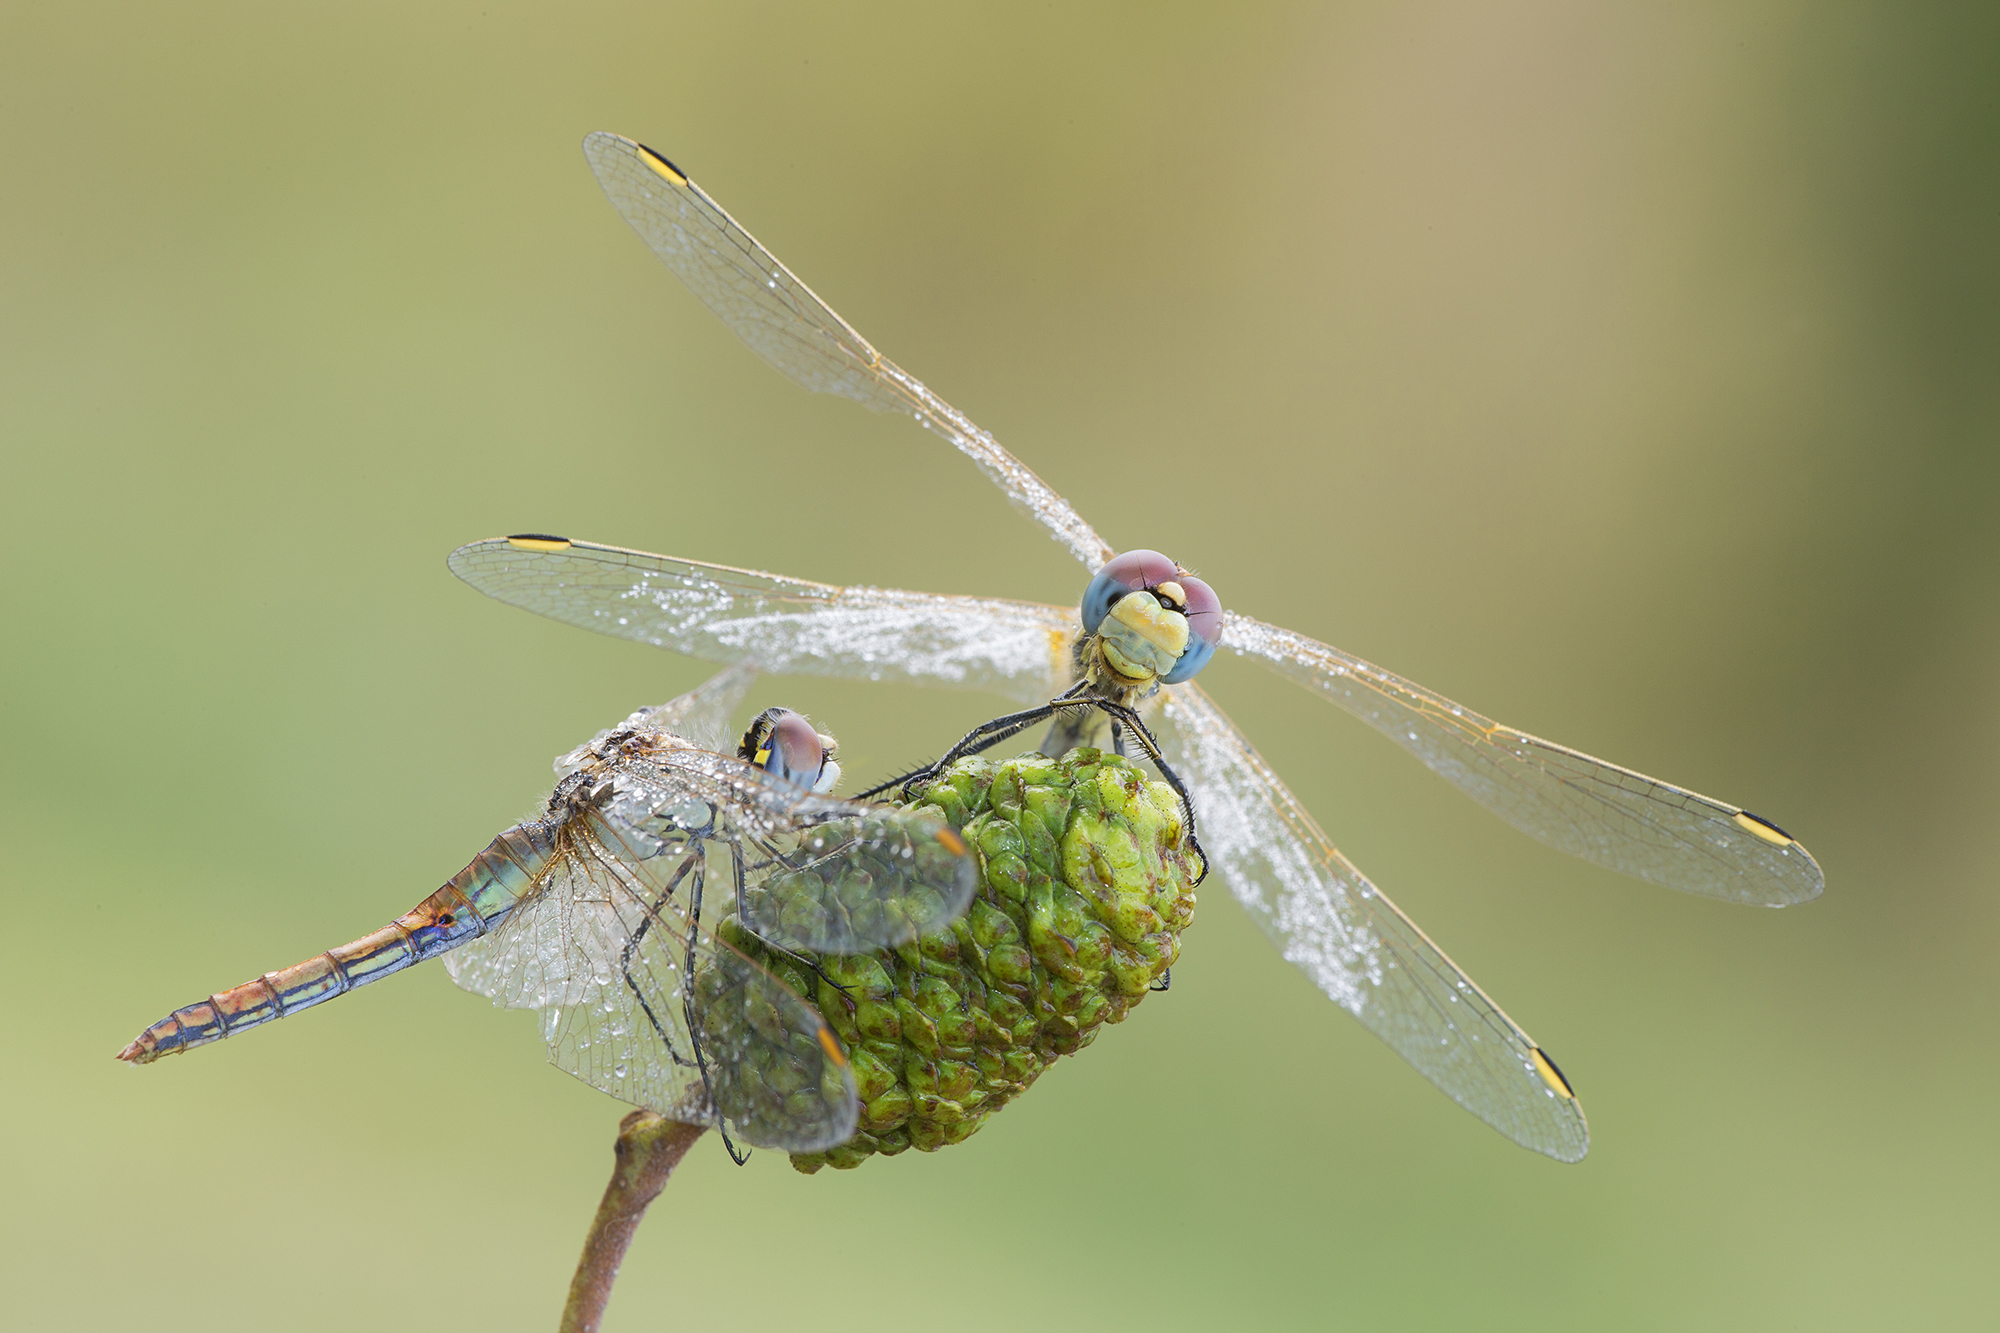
<point>784,744</point>
<point>1176,590</point>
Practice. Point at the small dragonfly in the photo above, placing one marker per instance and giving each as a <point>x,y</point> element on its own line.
<point>593,915</point>
<point>1323,914</point>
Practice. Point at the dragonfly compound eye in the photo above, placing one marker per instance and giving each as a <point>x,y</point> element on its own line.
<point>1134,571</point>
<point>1204,617</point>
<point>784,744</point>
<point>1173,595</point>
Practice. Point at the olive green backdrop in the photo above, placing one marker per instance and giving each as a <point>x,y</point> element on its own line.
<point>1628,376</point>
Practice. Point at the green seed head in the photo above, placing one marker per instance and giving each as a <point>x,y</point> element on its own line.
<point>1083,899</point>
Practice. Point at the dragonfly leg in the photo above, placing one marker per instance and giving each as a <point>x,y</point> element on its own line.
<point>707,1086</point>
<point>1165,982</point>
<point>809,965</point>
<point>1152,748</point>
<point>736,875</point>
<point>632,947</point>
<point>983,737</point>
<point>694,1024</point>
<point>1071,728</point>
<point>775,857</point>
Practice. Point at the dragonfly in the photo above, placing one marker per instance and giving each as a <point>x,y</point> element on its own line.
<point>593,915</point>
<point>1324,915</point>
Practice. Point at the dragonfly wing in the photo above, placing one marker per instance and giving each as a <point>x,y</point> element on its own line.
<point>626,978</point>
<point>559,947</point>
<point>1575,803</point>
<point>804,871</point>
<point>781,319</point>
<point>703,711</point>
<point>782,625</point>
<point>701,715</point>
<point>1356,945</point>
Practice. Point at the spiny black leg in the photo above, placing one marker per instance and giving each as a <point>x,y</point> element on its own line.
<point>1173,779</point>
<point>892,784</point>
<point>1165,982</point>
<point>729,1143</point>
<point>736,874</point>
<point>988,734</point>
<point>776,858</point>
<point>982,737</point>
<point>809,964</point>
<point>632,947</point>
<point>694,1025</point>
<point>988,742</point>
<point>694,918</point>
<point>1068,730</point>
<point>701,1061</point>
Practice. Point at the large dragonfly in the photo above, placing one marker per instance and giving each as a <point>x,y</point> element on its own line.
<point>1323,914</point>
<point>593,914</point>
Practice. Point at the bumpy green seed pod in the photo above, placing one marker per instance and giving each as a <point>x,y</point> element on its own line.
<point>1084,894</point>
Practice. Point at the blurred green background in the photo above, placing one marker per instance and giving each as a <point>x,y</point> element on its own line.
<point>1627,375</point>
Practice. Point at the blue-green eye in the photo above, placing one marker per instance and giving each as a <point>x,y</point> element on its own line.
<point>1177,590</point>
<point>784,744</point>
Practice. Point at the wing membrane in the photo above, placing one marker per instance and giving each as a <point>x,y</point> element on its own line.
<point>1356,945</point>
<point>638,996</point>
<point>805,871</point>
<point>701,715</point>
<point>1017,649</point>
<point>1578,804</point>
<point>607,959</point>
<point>781,320</point>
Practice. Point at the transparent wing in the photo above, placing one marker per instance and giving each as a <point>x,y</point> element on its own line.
<point>701,715</point>
<point>702,712</point>
<point>626,979</point>
<point>805,871</point>
<point>786,324</point>
<point>1018,649</point>
<point>1575,803</point>
<point>1356,945</point>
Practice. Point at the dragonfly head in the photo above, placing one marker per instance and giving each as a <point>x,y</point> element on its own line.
<point>784,744</point>
<point>1152,620</point>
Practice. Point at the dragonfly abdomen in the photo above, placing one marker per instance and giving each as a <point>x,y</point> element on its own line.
<point>474,901</point>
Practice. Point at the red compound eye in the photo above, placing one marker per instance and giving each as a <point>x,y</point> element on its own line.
<point>1204,617</point>
<point>1136,571</point>
<point>1130,572</point>
<point>788,746</point>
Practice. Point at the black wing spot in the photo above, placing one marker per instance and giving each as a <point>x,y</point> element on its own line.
<point>1768,824</point>
<point>1561,1077</point>
<point>669,161</point>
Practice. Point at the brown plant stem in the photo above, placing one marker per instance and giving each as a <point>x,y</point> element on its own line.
<point>649,1147</point>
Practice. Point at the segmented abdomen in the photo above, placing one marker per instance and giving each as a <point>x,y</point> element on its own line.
<point>472,902</point>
